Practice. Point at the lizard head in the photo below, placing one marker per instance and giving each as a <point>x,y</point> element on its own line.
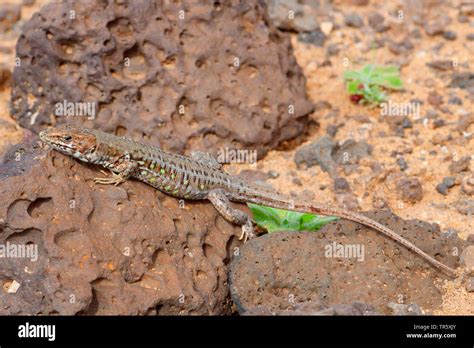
<point>70,140</point>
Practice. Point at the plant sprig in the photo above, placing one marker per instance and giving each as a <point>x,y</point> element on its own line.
<point>365,86</point>
<point>272,219</point>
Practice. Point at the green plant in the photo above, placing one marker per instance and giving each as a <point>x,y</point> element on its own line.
<point>273,219</point>
<point>364,86</point>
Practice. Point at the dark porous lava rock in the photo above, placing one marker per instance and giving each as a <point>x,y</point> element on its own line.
<point>284,269</point>
<point>186,76</point>
<point>126,250</point>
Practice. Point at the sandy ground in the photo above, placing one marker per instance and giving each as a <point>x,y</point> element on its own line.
<point>324,83</point>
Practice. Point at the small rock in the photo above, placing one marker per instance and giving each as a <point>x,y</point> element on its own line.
<point>439,123</point>
<point>432,114</point>
<point>347,201</point>
<point>455,101</point>
<point>463,19</point>
<point>353,20</point>
<point>434,28</point>
<point>379,202</point>
<point>304,19</point>
<point>435,99</point>
<point>470,284</point>
<point>351,151</point>
<point>326,27</point>
<point>402,163</point>
<point>297,181</point>
<point>450,35</point>
<point>463,80</point>
<point>272,174</point>
<point>307,195</point>
<point>405,309</point>
<point>376,21</point>
<point>360,2</point>
<point>464,122</point>
<point>461,165</point>
<point>402,47</point>
<point>446,184</point>
<point>470,37</point>
<point>467,8</point>
<point>331,130</point>
<point>406,123</point>
<point>341,185</point>
<point>318,153</point>
<point>333,49</point>
<point>316,38</point>
<point>467,185</point>
<point>410,189</point>
<point>467,259</point>
<point>443,65</point>
<point>9,15</point>
<point>464,206</point>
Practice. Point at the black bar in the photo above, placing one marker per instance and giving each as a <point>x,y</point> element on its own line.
<point>242,330</point>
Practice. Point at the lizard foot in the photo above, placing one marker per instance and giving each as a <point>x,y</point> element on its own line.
<point>116,179</point>
<point>247,231</point>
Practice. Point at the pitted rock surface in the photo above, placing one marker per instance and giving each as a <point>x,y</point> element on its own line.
<point>284,269</point>
<point>123,250</point>
<point>193,76</point>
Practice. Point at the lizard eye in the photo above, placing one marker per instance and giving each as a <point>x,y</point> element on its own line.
<point>67,138</point>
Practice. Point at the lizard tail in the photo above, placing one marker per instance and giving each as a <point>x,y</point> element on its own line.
<point>282,202</point>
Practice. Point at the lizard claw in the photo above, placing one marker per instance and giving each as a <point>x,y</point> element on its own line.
<point>115,180</point>
<point>247,231</point>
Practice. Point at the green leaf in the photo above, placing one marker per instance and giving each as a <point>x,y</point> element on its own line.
<point>273,219</point>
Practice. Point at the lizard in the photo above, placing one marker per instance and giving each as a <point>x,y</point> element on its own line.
<point>197,177</point>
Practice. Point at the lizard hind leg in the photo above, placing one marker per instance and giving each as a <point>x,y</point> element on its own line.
<point>222,204</point>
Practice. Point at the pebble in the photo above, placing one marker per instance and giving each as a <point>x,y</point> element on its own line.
<point>467,185</point>
<point>376,21</point>
<point>406,123</point>
<point>434,28</point>
<point>461,165</point>
<point>379,202</point>
<point>470,37</point>
<point>467,259</point>
<point>439,122</point>
<point>435,99</point>
<point>470,284</point>
<point>464,206</point>
<point>405,309</point>
<point>401,47</point>
<point>297,181</point>
<point>402,163</point>
<point>326,27</point>
<point>341,185</point>
<point>316,38</point>
<point>410,189</point>
<point>445,185</point>
<point>331,130</point>
<point>353,20</point>
<point>443,64</point>
<point>455,101</point>
<point>450,35</point>
<point>272,174</point>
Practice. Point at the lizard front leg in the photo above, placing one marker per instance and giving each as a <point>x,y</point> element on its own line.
<point>121,170</point>
<point>222,204</point>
